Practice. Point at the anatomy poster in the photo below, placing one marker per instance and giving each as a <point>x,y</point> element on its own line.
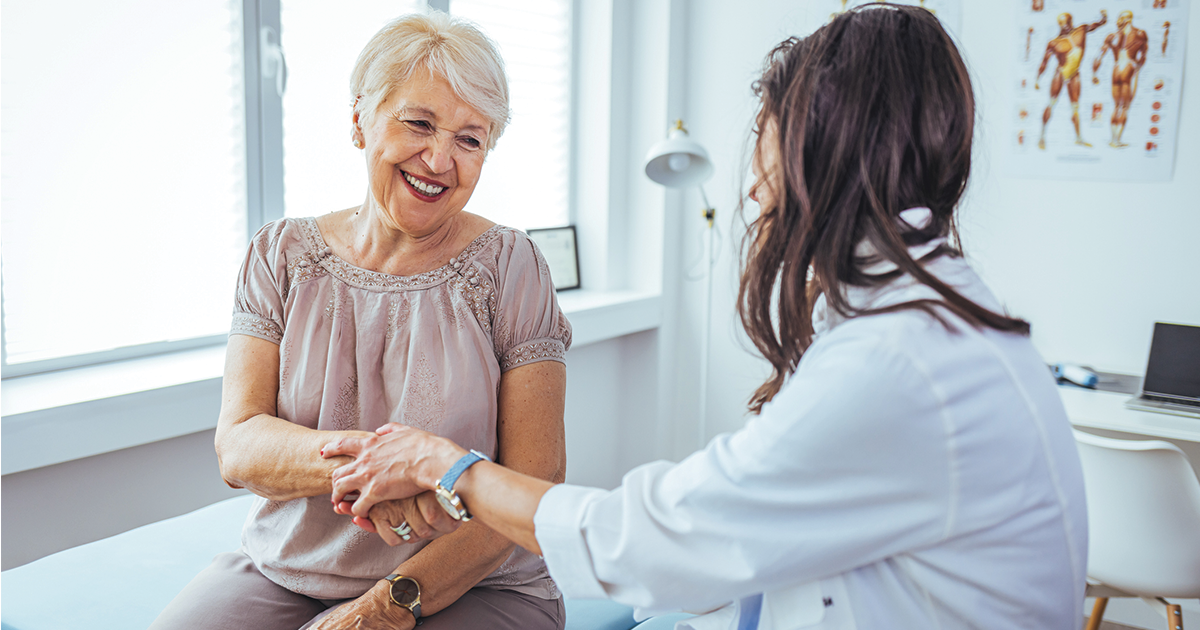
<point>1096,90</point>
<point>949,12</point>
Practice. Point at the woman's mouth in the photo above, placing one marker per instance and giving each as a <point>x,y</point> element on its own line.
<point>423,190</point>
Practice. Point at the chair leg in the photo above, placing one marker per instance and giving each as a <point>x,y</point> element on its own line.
<point>1097,613</point>
<point>1174,617</point>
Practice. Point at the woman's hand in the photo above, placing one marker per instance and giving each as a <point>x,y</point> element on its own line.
<point>373,611</point>
<point>422,513</point>
<point>397,463</point>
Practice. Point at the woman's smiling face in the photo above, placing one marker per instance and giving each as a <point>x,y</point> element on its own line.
<point>425,148</point>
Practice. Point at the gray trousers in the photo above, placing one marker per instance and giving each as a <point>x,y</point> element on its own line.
<point>231,593</point>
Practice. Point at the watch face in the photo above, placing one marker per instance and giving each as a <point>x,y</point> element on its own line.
<point>405,591</point>
<point>447,504</point>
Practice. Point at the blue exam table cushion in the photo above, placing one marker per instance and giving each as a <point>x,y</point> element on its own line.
<point>131,577</point>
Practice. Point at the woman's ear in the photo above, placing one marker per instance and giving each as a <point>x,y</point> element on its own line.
<point>356,134</point>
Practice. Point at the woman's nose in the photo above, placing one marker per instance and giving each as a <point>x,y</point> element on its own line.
<point>439,155</point>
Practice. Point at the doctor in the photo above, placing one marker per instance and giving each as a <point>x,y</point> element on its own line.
<point>909,463</point>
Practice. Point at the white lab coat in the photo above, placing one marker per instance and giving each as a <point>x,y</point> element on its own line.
<point>906,476</point>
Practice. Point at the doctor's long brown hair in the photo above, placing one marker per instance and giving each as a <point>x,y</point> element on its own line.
<point>874,114</point>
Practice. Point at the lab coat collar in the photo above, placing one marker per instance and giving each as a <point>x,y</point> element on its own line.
<point>902,289</point>
<point>918,219</point>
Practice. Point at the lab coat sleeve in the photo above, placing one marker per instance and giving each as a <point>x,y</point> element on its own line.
<point>852,462</point>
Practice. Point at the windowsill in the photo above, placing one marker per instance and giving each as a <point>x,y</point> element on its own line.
<point>70,414</point>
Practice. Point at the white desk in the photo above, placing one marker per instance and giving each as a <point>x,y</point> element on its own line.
<point>1106,410</point>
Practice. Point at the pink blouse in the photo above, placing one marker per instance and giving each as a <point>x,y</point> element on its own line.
<point>359,348</point>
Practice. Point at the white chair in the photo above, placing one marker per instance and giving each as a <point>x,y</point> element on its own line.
<point>1143,503</point>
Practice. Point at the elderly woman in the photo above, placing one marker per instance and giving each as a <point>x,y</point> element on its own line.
<point>408,310</point>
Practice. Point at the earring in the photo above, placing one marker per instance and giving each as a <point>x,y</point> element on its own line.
<point>358,144</point>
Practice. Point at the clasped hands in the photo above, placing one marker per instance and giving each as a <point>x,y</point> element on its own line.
<point>393,473</point>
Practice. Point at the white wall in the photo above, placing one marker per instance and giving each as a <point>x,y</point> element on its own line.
<point>56,507</point>
<point>611,389</point>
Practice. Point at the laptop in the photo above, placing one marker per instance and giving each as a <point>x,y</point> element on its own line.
<point>1172,383</point>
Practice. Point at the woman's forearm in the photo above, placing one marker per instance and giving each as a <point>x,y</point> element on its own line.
<point>455,563</point>
<point>277,459</point>
<point>257,450</point>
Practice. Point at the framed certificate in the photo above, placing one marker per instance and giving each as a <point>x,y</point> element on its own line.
<point>559,248</point>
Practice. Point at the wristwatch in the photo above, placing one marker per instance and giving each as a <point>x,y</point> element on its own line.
<point>405,592</point>
<point>444,490</point>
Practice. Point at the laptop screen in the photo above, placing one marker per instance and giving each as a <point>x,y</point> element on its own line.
<point>1174,366</point>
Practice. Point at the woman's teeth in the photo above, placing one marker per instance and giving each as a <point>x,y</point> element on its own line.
<point>426,189</point>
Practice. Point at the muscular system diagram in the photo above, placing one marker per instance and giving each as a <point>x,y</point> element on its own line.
<point>1119,64</point>
<point>1128,46</point>
<point>1122,120</point>
<point>1067,48</point>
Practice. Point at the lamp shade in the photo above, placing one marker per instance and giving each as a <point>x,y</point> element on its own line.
<point>678,161</point>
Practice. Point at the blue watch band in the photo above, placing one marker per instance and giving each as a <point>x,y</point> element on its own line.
<point>459,467</point>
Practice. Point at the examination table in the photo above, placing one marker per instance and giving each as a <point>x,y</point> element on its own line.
<point>123,582</point>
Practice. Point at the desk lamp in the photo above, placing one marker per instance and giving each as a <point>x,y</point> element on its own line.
<point>680,162</point>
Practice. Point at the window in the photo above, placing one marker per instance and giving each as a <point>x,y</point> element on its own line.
<point>124,179</point>
<point>135,167</point>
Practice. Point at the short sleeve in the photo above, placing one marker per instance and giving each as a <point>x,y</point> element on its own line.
<point>261,287</point>
<point>528,324</point>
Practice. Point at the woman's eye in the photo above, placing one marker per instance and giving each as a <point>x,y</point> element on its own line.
<point>469,142</point>
<point>419,125</point>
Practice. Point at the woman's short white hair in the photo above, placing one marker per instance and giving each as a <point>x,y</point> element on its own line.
<point>452,48</point>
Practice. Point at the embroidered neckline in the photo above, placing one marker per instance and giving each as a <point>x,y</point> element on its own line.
<point>321,254</point>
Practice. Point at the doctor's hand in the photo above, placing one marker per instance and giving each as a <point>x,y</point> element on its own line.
<point>397,463</point>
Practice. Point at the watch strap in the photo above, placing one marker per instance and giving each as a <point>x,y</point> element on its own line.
<point>466,461</point>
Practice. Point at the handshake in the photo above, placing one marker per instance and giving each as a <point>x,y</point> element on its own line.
<point>394,484</point>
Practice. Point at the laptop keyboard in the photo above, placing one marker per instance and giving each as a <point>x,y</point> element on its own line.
<point>1171,402</point>
<point>1145,404</point>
